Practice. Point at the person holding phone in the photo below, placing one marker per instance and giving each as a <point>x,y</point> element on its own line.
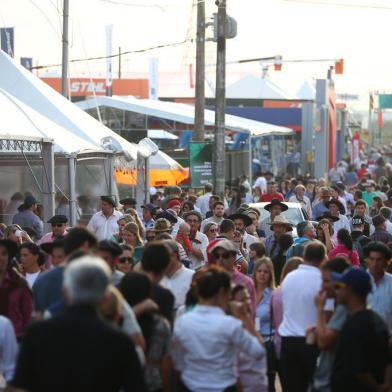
<point>15,234</point>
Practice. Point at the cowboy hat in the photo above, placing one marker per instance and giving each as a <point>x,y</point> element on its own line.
<point>276,202</point>
<point>161,225</point>
<point>281,220</point>
<point>245,218</point>
<point>329,216</point>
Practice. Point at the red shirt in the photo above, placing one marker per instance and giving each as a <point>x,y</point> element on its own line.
<point>361,172</point>
<point>267,197</point>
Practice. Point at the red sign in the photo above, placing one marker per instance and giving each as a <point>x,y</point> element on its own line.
<point>81,87</point>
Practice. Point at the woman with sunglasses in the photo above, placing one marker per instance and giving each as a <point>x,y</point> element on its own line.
<point>125,261</point>
<point>211,230</point>
<point>206,340</point>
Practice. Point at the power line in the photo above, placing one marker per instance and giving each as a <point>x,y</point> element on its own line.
<point>335,4</point>
<point>116,55</point>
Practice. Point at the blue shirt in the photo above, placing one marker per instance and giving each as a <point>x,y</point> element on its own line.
<point>380,299</point>
<point>319,210</point>
<point>270,243</point>
<point>263,313</point>
<point>27,218</point>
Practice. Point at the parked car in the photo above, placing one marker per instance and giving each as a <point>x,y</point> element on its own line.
<point>295,214</point>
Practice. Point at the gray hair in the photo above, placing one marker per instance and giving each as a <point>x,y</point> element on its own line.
<point>86,280</point>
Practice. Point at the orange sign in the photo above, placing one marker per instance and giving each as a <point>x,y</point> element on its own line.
<point>81,87</point>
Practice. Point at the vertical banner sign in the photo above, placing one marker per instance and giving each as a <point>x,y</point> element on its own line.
<point>7,40</point>
<point>153,78</point>
<point>109,60</point>
<point>26,62</point>
<point>200,163</point>
<point>355,158</point>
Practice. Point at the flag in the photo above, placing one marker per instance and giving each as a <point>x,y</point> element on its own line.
<point>27,62</point>
<point>7,40</point>
<point>380,119</point>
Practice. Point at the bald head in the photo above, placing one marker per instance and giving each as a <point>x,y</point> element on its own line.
<point>184,229</point>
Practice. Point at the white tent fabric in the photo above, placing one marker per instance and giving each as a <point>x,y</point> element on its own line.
<point>163,161</point>
<point>21,122</point>
<point>307,91</point>
<point>160,134</point>
<point>253,87</point>
<point>182,113</point>
<point>29,89</point>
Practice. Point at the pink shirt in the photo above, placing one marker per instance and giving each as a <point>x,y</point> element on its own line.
<point>240,278</point>
<point>351,255</point>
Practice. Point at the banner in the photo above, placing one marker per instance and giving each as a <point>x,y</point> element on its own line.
<point>200,163</point>
<point>7,40</point>
<point>153,78</point>
<point>385,101</point>
<point>26,62</point>
<point>109,60</point>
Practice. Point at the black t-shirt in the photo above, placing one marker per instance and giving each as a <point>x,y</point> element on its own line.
<point>362,348</point>
<point>77,351</point>
<point>164,299</point>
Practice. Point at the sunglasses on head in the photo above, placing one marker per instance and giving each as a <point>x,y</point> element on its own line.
<point>125,260</point>
<point>218,255</point>
<point>57,224</point>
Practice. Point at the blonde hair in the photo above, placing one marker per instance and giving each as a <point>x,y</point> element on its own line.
<point>132,212</point>
<point>9,229</point>
<point>128,218</point>
<point>133,228</point>
<point>111,308</point>
<point>268,263</point>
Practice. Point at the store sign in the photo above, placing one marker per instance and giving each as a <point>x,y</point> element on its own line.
<point>385,101</point>
<point>83,87</point>
<point>200,163</point>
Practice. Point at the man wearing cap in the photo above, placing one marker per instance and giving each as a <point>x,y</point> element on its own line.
<point>335,208</point>
<point>300,197</point>
<point>127,203</point>
<point>362,351</point>
<point>377,256</point>
<point>241,222</point>
<point>59,224</point>
<point>271,193</point>
<point>224,253</point>
<point>218,209</point>
<point>279,226</point>
<point>320,207</point>
<point>110,251</point>
<point>148,219</point>
<point>26,218</point>
<point>306,233</point>
<point>104,223</point>
<point>275,208</point>
<point>359,239</point>
<point>173,206</point>
<point>199,240</point>
<point>380,232</point>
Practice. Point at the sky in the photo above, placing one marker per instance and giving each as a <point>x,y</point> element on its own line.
<point>356,30</point>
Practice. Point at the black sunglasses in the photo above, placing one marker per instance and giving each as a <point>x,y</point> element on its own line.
<point>125,260</point>
<point>57,224</point>
<point>218,255</point>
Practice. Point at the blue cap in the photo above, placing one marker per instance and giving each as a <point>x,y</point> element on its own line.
<point>355,278</point>
<point>150,207</point>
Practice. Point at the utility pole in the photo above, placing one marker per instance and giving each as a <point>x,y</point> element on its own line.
<point>64,61</point>
<point>119,62</point>
<point>220,102</point>
<point>198,134</point>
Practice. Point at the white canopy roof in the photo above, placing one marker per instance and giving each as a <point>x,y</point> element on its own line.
<point>33,92</point>
<point>253,87</point>
<point>160,134</point>
<point>182,113</point>
<point>21,122</point>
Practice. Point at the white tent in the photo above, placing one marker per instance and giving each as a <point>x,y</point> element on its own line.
<point>253,87</point>
<point>21,122</point>
<point>307,91</point>
<point>182,113</point>
<point>29,89</point>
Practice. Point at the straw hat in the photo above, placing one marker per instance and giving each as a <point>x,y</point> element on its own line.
<point>281,220</point>
<point>161,225</point>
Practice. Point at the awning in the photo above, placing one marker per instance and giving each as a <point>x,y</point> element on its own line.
<point>182,113</point>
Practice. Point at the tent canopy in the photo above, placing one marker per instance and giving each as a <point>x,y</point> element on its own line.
<point>182,113</point>
<point>22,84</point>
<point>161,134</point>
<point>21,122</point>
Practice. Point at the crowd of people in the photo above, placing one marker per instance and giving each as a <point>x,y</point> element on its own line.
<point>203,293</point>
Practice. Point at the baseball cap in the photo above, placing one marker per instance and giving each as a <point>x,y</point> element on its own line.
<point>355,278</point>
<point>150,207</point>
<point>358,220</point>
<point>224,244</point>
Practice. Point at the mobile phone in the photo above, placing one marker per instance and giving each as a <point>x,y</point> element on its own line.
<point>18,233</point>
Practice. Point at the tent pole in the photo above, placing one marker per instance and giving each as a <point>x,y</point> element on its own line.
<point>72,190</point>
<point>250,160</point>
<point>147,181</point>
<point>140,183</point>
<point>48,189</point>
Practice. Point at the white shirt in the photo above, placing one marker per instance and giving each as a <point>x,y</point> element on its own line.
<point>8,348</point>
<point>261,182</point>
<point>103,227</point>
<point>179,284</point>
<point>203,203</point>
<point>205,344</point>
<point>298,291</point>
<point>176,226</point>
<point>31,278</point>
<point>342,223</point>
<point>305,203</point>
<point>213,219</point>
<point>200,242</point>
<point>249,239</point>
